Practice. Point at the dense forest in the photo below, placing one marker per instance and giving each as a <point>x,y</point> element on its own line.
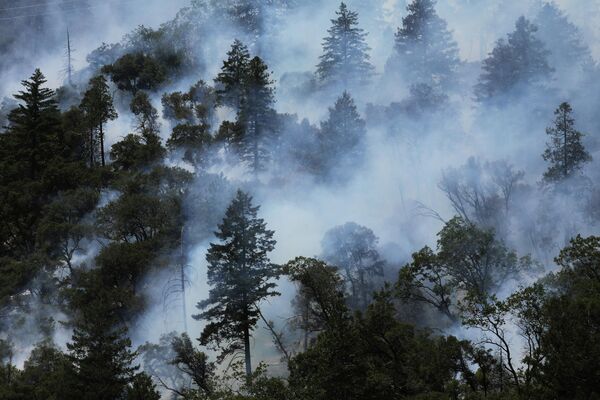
<point>301,200</point>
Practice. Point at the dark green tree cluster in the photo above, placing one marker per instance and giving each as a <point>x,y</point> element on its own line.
<point>514,64</point>
<point>245,84</point>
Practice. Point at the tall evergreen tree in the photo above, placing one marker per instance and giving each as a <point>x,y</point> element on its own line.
<point>345,59</point>
<point>257,116</point>
<point>565,152</point>
<point>32,142</point>
<point>100,349</point>
<point>34,126</point>
<point>230,81</point>
<point>519,62</point>
<point>239,271</point>
<point>562,38</point>
<point>97,104</point>
<point>341,138</point>
<point>425,51</point>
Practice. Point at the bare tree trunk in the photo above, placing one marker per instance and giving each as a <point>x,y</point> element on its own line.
<point>247,351</point>
<point>102,145</point>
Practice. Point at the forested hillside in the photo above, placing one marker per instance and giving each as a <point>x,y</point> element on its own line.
<point>288,200</point>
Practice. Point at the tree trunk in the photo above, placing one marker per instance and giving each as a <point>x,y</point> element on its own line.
<point>91,147</point>
<point>566,170</point>
<point>247,351</point>
<point>102,145</point>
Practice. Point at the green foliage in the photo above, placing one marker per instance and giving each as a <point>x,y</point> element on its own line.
<point>520,61</point>
<point>136,71</point>
<point>425,50</point>
<point>469,259</point>
<point>340,140</point>
<point>570,340</point>
<point>230,80</point>
<point>374,357</point>
<point>565,152</point>
<point>99,350</point>
<point>353,249</point>
<point>97,107</point>
<point>240,274</point>
<point>257,116</point>
<point>345,59</point>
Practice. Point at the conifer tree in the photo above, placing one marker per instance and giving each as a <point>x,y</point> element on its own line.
<point>565,152</point>
<point>239,272</point>
<point>562,38</point>
<point>230,81</point>
<point>345,59</point>
<point>520,61</point>
<point>97,104</point>
<point>341,137</point>
<point>100,349</point>
<point>257,116</point>
<point>34,125</point>
<point>425,51</point>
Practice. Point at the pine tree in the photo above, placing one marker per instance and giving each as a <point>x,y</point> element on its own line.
<point>100,349</point>
<point>565,152</point>
<point>257,116</point>
<point>341,137</point>
<point>345,59</point>
<point>97,104</point>
<point>239,271</point>
<point>425,51</point>
<point>230,81</point>
<point>519,62</point>
<point>563,38</point>
<point>34,125</point>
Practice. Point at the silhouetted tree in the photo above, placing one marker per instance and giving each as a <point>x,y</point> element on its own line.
<point>353,249</point>
<point>565,152</point>
<point>240,274</point>
<point>97,105</point>
<point>231,78</point>
<point>257,116</point>
<point>340,140</point>
<point>345,59</point>
<point>519,62</point>
<point>425,52</point>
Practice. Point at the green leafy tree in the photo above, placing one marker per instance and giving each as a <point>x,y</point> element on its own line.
<point>353,249</point>
<point>425,50</point>
<point>565,152</point>
<point>240,274</point>
<point>145,148</point>
<point>136,71</point>
<point>195,142</point>
<point>319,300</point>
<point>570,339</point>
<point>194,364</point>
<point>469,260</point>
<point>345,59</point>
<point>97,105</point>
